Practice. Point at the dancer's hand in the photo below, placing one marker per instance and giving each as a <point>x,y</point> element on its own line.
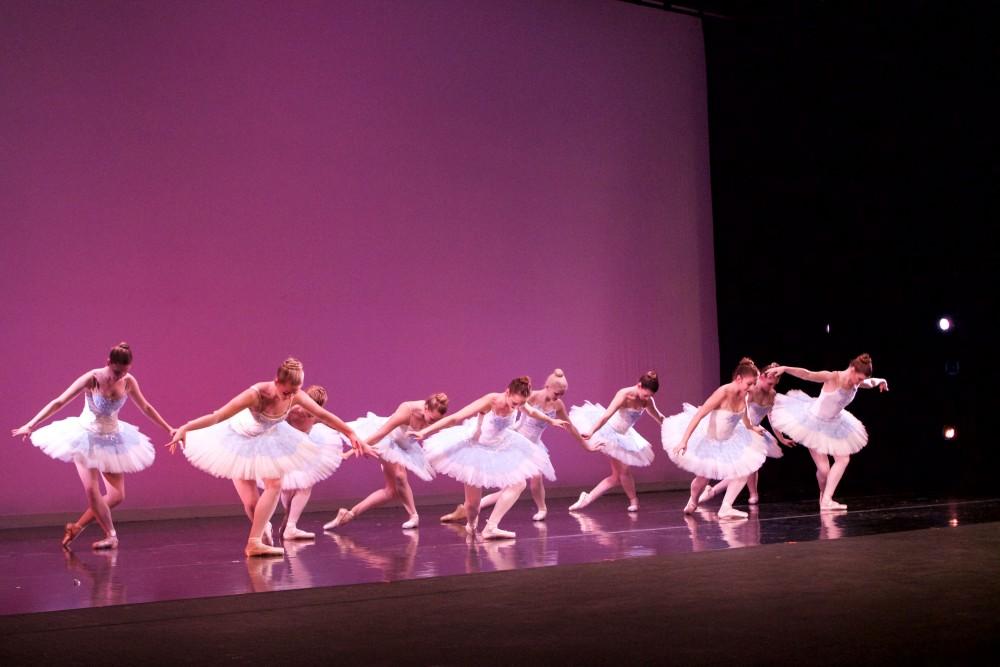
<point>680,449</point>
<point>883,386</point>
<point>758,429</point>
<point>561,423</point>
<point>24,432</point>
<point>586,436</point>
<point>416,435</point>
<point>176,440</point>
<point>475,436</point>
<point>787,442</point>
<point>348,454</point>
<point>778,371</point>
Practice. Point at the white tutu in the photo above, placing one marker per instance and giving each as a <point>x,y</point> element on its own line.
<point>243,448</point>
<point>395,447</point>
<point>840,435</point>
<point>499,458</point>
<point>82,440</point>
<point>734,452</point>
<point>620,440</point>
<point>769,445</point>
<point>331,449</point>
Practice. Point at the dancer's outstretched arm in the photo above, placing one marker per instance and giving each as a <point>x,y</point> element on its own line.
<point>713,402</point>
<point>245,399</point>
<point>654,411</point>
<point>480,405</point>
<point>396,419</point>
<point>804,374</point>
<point>616,403</point>
<point>304,400</point>
<point>132,389</point>
<point>875,383</point>
<point>55,405</point>
<point>541,416</point>
<point>561,414</point>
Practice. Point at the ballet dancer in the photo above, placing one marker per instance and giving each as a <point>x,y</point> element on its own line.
<point>547,400</point>
<point>822,424</point>
<point>398,452</point>
<point>486,452</point>
<point>247,439</point>
<point>760,400</point>
<point>296,486</point>
<point>612,430</point>
<point>720,447</point>
<point>96,442</point>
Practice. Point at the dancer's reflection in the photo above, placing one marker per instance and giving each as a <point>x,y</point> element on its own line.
<point>392,562</point>
<point>261,574</point>
<point>831,525</point>
<point>590,525</point>
<point>705,526</point>
<point>105,589</point>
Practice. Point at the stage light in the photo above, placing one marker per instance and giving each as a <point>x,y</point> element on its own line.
<point>949,432</point>
<point>945,324</point>
<point>828,328</point>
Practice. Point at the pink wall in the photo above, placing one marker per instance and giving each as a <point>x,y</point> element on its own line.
<point>408,196</point>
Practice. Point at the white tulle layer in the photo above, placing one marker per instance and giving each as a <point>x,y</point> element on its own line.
<point>331,445</point>
<point>770,445</point>
<point>737,456</point>
<point>125,449</point>
<point>411,457</point>
<point>510,459</point>
<point>629,447</point>
<point>841,435</point>
<point>221,451</point>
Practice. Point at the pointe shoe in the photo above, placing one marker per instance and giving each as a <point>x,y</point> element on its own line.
<point>470,530</point>
<point>831,505</point>
<point>344,516</point>
<point>706,493</point>
<point>293,533</point>
<point>731,513</point>
<point>457,516</point>
<point>109,542</point>
<point>690,508</point>
<point>71,531</point>
<point>412,522</point>
<point>540,515</point>
<point>634,507</point>
<point>581,502</point>
<point>753,500</point>
<point>256,547</point>
<point>491,532</point>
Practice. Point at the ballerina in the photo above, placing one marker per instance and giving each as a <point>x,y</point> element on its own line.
<point>486,452</point>
<point>760,400</point>
<point>547,400</point>
<point>822,424</point>
<point>296,486</point>
<point>247,439</point>
<point>398,453</point>
<point>722,447</point>
<point>612,431</point>
<point>101,446</point>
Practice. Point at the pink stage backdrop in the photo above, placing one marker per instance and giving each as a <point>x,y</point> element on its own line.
<point>408,196</point>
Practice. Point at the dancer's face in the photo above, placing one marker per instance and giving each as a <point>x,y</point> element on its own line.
<point>746,382</point>
<point>118,371</point>
<point>855,377</point>
<point>644,394</point>
<point>767,380</point>
<point>554,391</point>
<point>287,389</point>
<point>515,400</point>
<point>431,416</point>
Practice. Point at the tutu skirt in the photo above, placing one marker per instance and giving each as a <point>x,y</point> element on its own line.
<point>507,458</point>
<point>109,446</point>
<point>629,447</point>
<point>409,455</point>
<point>841,435</point>
<point>331,448</point>
<point>239,448</point>
<point>739,455</point>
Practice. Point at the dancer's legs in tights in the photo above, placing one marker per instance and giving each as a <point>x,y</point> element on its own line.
<point>98,505</point>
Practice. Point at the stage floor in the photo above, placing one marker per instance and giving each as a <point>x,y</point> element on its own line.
<point>202,558</point>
